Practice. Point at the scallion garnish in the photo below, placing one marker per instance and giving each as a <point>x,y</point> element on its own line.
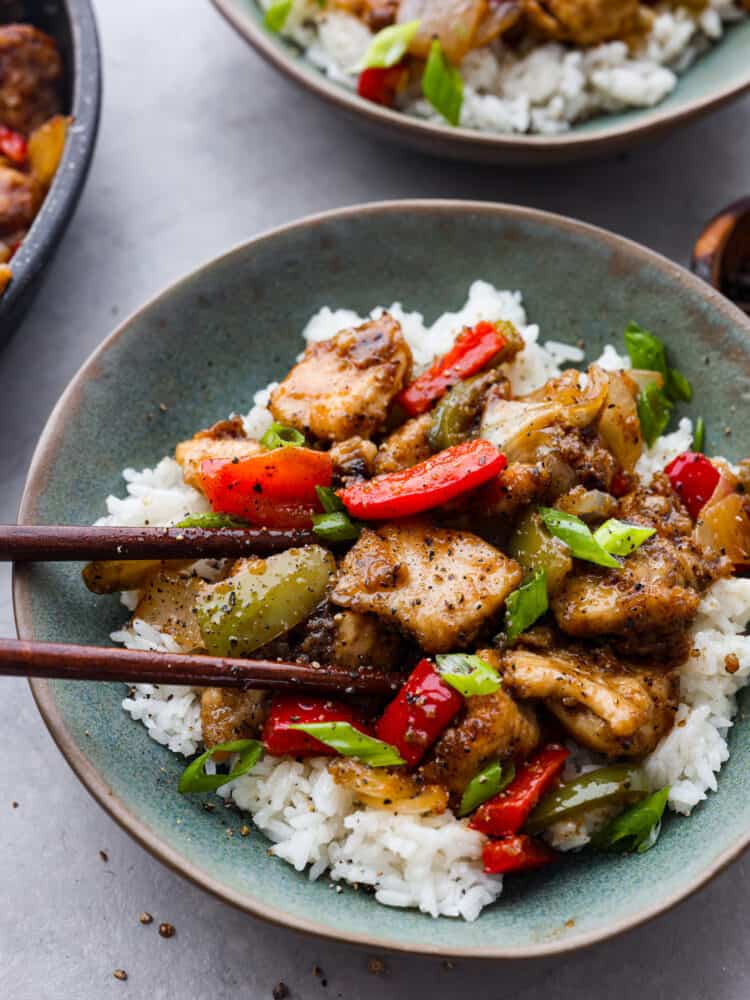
<point>488,783</point>
<point>647,352</point>
<point>350,742</point>
<point>469,675</point>
<point>525,605</point>
<point>637,829</point>
<point>276,15</point>
<point>389,46</point>
<point>699,435</point>
<point>281,436</point>
<point>620,538</point>
<point>442,85</point>
<point>329,500</point>
<point>212,521</point>
<point>336,527</point>
<point>577,536</point>
<point>195,779</point>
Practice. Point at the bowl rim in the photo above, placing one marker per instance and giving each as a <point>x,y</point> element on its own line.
<point>60,201</point>
<point>95,783</point>
<point>465,138</point>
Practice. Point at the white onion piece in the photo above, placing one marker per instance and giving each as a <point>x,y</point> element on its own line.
<point>453,22</point>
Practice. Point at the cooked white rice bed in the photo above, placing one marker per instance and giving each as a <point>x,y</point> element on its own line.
<point>432,863</point>
<point>545,89</point>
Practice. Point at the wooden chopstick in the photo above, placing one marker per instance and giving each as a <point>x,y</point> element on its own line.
<point>19,658</point>
<point>73,543</point>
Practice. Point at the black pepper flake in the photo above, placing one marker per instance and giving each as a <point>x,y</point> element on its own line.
<point>120,974</point>
<point>376,966</point>
<point>104,856</point>
<point>280,991</point>
<point>167,930</point>
<point>146,918</point>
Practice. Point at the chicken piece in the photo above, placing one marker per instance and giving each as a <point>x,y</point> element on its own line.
<point>343,387</point>
<point>615,708</point>
<point>226,439</point>
<point>517,486</point>
<point>167,603</point>
<point>231,715</point>
<point>30,76</point>
<point>388,788</point>
<point>363,640</point>
<point>493,726</point>
<point>20,198</point>
<point>588,22</point>
<point>406,446</point>
<point>353,459</point>
<point>376,14</point>
<point>652,599</point>
<point>438,585</point>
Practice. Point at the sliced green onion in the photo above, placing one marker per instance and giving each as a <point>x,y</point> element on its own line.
<point>677,386</point>
<point>699,435</point>
<point>654,412</point>
<point>276,15</point>
<point>389,46</point>
<point>525,605</point>
<point>488,783</point>
<point>337,527</point>
<point>329,501</point>
<point>645,350</point>
<point>469,675</point>
<point>637,829</point>
<point>351,742</point>
<point>442,85</point>
<point>281,436</point>
<point>620,538</point>
<point>577,536</point>
<point>195,779</point>
<point>212,521</point>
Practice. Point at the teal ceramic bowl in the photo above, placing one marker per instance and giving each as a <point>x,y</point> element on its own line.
<point>202,348</point>
<point>720,75</point>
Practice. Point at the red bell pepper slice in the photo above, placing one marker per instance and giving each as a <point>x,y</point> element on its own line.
<point>694,478</point>
<point>381,84</point>
<point>286,711</point>
<point>275,488</point>
<point>13,146</point>
<point>519,853</point>
<point>474,348</point>
<point>428,484</point>
<point>419,713</point>
<point>508,811</point>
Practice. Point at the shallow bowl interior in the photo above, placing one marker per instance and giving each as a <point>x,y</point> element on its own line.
<point>201,349</point>
<point>722,73</point>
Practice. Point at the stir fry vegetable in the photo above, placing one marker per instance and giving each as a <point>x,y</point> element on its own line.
<point>616,785</point>
<point>471,676</point>
<point>637,829</point>
<point>694,479</point>
<point>490,781</point>
<point>577,536</point>
<point>508,811</point>
<point>263,599</point>
<point>474,348</point>
<point>442,85</point>
<point>284,730</point>
<point>419,713</point>
<point>519,853</point>
<point>195,779</point>
<point>381,85</point>
<point>457,410</point>
<point>276,489</point>
<point>526,605</point>
<point>349,741</point>
<point>538,551</point>
<point>428,484</point>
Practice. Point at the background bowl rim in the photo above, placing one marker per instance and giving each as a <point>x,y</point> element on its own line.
<point>91,778</point>
<point>60,201</point>
<point>466,138</point>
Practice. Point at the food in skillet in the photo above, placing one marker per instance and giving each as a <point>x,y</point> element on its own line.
<point>505,65</point>
<point>32,131</point>
<point>554,575</point>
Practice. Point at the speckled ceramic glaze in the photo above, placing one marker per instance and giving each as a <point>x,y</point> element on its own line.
<point>202,348</point>
<point>719,75</point>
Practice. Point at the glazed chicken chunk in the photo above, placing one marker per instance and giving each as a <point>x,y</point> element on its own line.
<point>231,715</point>
<point>493,726</point>
<point>650,601</point>
<point>407,446</point>
<point>225,440</point>
<point>344,386</point>
<point>615,708</point>
<point>587,22</point>
<point>437,585</point>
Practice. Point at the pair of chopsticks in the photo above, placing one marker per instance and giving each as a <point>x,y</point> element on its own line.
<point>61,543</point>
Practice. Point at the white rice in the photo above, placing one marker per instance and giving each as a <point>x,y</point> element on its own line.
<point>545,88</point>
<point>433,863</point>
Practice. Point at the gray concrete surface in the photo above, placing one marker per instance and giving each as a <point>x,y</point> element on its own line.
<point>202,146</point>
